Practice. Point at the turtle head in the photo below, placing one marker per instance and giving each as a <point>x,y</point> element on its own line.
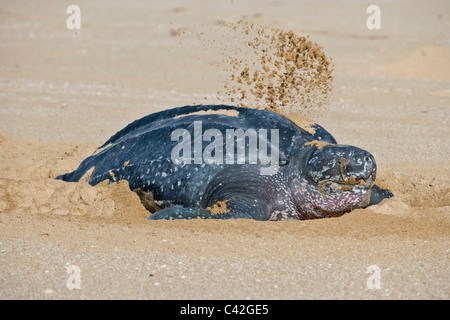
<point>337,169</point>
<point>332,179</point>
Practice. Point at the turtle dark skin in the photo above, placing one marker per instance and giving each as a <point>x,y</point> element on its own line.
<point>314,178</point>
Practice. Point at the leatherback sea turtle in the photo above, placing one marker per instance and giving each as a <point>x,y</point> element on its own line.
<point>214,162</point>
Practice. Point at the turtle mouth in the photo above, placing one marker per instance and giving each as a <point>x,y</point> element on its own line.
<point>344,184</point>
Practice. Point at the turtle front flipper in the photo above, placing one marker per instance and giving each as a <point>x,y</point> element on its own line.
<point>377,195</point>
<point>243,193</point>
<point>180,212</point>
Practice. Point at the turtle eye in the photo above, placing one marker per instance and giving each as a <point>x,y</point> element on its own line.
<point>328,187</point>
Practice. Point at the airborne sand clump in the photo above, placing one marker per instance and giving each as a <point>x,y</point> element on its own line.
<point>276,70</point>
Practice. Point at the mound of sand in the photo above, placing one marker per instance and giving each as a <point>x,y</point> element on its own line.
<point>427,62</point>
<point>28,184</point>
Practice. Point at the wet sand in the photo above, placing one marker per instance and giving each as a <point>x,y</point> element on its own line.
<point>64,92</point>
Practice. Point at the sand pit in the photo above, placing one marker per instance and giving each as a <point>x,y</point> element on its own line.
<point>64,94</point>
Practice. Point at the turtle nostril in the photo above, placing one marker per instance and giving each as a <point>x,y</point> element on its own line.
<point>367,159</point>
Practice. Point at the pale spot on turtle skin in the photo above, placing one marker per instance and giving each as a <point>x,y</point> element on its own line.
<point>278,215</point>
<point>126,163</point>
